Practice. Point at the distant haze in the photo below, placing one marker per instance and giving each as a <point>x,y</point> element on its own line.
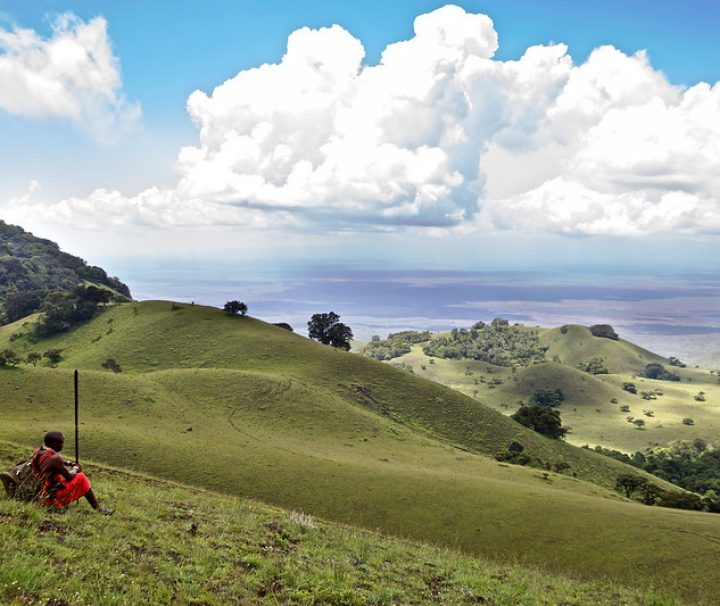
<point>672,314</point>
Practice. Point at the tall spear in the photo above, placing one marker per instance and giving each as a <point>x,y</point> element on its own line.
<point>77,450</point>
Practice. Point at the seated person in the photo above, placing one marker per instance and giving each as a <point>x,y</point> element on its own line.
<point>60,485</point>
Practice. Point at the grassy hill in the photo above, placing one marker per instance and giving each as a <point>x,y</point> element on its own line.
<point>245,408</point>
<point>171,543</point>
<point>593,405</point>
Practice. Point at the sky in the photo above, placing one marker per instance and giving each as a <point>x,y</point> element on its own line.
<point>476,136</point>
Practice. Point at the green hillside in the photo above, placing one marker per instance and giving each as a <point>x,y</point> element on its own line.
<point>30,267</point>
<point>169,543</point>
<point>595,407</point>
<point>242,407</point>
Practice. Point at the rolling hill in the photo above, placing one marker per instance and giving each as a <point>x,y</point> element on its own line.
<point>235,405</point>
<point>595,407</point>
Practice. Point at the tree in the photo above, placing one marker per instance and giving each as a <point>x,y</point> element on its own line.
<point>9,358</point>
<point>328,329</point>
<point>604,331</point>
<point>542,419</point>
<point>235,307</point>
<point>547,397</point>
<point>657,371</point>
<point>33,358</point>
<point>21,304</point>
<point>53,355</point>
<point>629,483</point>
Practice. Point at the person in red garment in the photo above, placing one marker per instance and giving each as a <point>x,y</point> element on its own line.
<point>61,486</point>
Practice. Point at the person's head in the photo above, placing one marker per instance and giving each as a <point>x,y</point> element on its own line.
<point>54,440</point>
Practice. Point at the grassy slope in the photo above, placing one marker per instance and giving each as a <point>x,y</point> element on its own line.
<point>148,553</point>
<point>287,421</point>
<point>588,408</point>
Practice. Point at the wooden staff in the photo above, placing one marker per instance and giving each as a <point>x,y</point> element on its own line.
<point>77,451</point>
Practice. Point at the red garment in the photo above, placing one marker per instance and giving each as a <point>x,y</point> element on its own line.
<point>57,491</point>
<point>71,491</point>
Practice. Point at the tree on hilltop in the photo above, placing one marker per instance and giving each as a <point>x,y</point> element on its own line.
<point>235,307</point>
<point>328,329</point>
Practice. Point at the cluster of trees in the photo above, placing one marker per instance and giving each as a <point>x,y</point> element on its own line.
<point>61,310</point>
<point>673,361</point>
<point>31,268</point>
<point>11,358</point>
<point>692,465</point>
<point>594,366</point>
<point>327,329</point>
<point>396,345</point>
<point>497,343</point>
<point>604,331</point>
<point>324,327</point>
<point>547,397</point>
<point>659,373</point>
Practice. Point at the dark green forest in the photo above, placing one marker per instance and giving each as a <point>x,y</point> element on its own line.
<point>32,268</point>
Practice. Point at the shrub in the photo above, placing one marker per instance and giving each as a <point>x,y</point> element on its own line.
<point>111,364</point>
<point>629,387</point>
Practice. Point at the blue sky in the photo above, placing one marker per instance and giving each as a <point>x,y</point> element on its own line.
<point>544,179</point>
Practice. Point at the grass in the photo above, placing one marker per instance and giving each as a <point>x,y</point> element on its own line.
<point>593,403</point>
<point>173,544</point>
<point>240,407</point>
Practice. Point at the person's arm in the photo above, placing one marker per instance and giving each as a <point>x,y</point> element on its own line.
<point>55,464</point>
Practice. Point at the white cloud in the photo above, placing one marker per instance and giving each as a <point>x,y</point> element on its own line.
<point>440,135</point>
<point>72,75</point>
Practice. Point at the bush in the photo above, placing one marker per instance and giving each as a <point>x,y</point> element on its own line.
<point>630,387</point>
<point>111,364</point>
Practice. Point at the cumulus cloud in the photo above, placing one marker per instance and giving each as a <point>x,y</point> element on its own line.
<point>441,135</point>
<point>71,75</point>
